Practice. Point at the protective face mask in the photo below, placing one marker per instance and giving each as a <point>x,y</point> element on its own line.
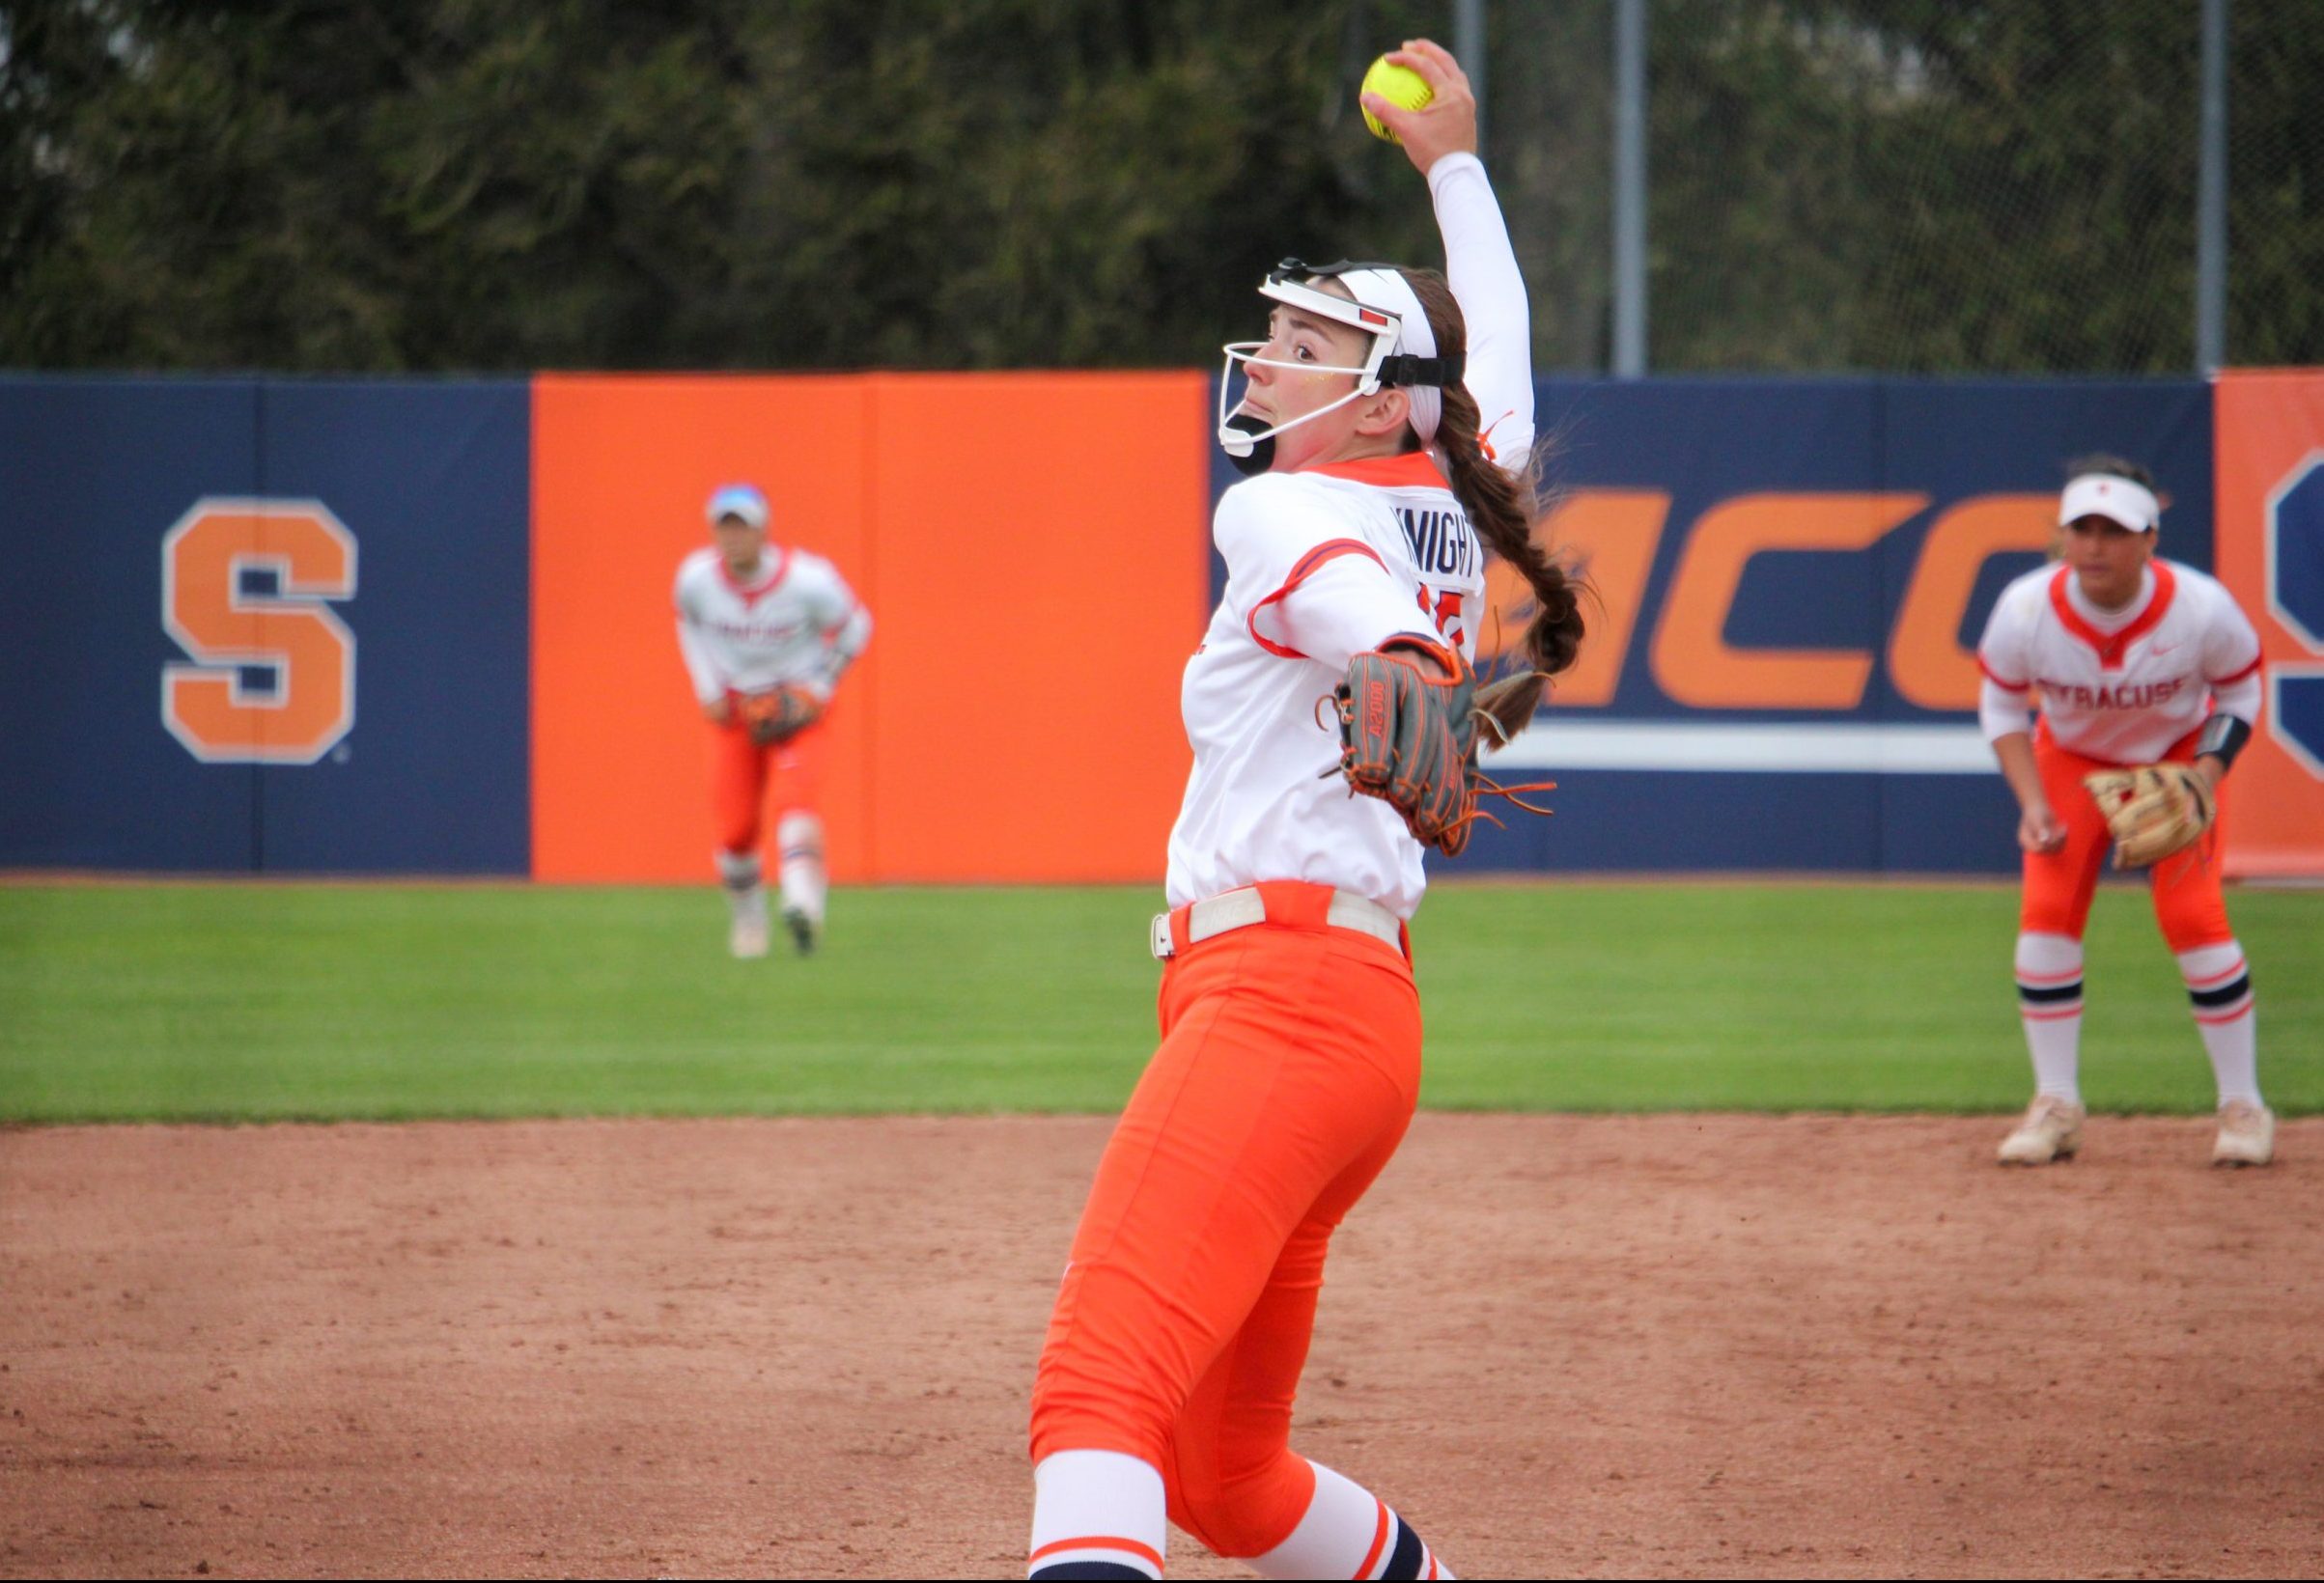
<point>1248,443</point>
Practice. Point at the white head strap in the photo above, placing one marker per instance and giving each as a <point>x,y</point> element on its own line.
<point>2116,498</point>
<point>1381,288</point>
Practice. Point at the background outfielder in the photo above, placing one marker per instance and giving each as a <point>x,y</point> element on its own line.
<point>2136,661</point>
<point>767,633</point>
<point>1290,1059</point>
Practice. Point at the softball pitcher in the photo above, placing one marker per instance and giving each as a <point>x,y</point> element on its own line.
<point>766,639</point>
<point>2139,661</point>
<point>1289,1057</point>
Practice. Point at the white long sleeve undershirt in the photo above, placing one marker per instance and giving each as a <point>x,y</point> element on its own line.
<point>1481,266</point>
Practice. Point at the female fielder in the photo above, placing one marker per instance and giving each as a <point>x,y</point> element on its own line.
<point>766,640</point>
<point>2137,659</point>
<point>1290,1059</point>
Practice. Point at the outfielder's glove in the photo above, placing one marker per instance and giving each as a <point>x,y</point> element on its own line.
<point>1410,738</point>
<point>2152,810</point>
<point>780,713</point>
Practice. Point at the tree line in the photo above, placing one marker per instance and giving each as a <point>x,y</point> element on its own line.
<point>502,186</point>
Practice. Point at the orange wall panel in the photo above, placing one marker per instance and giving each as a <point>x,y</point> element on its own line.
<point>2270,426</point>
<point>621,466</point>
<point>1033,551</point>
<point>1040,543</point>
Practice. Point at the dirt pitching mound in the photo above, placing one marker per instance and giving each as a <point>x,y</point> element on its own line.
<point>1680,1346</point>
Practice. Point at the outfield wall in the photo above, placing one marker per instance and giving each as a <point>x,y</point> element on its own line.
<point>288,625</point>
<point>1015,716</point>
<point>347,561</point>
<point>2271,552</point>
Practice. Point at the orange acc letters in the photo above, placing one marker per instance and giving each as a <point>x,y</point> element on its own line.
<point>211,561</point>
<point>1615,533</point>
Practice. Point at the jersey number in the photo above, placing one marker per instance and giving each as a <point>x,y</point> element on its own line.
<point>245,592</point>
<point>1445,612</point>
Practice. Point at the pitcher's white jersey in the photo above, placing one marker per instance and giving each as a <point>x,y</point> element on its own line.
<point>796,622</point>
<point>2118,686</point>
<point>1321,566</point>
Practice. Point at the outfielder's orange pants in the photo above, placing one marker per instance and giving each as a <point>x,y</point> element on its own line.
<point>2058,885</point>
<point>1288,1071</point>
<point>747,778</point>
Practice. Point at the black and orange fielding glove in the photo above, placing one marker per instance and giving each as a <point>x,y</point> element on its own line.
<point>780,713</point>
<point>1408,736</point>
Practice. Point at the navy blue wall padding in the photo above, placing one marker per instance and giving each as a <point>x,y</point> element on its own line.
<point>433,482</point>
<point>1708,441</point>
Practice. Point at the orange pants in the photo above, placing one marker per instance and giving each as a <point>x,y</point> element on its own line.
<point>746,778</point>
<point>2058,885</point>
<point>1288,1071</point>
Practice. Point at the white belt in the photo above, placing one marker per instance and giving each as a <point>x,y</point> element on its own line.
<point>1241,908</point>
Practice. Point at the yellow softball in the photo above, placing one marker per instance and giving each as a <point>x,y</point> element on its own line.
<point>1400,85</point>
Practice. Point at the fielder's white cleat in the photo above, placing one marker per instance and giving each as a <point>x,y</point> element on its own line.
<point>746,938</point>
<point>2247,1134</point>
<point>2052,1131</point>
<point>804,930</point>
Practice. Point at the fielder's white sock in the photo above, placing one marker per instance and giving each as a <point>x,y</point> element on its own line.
<point>2219,989</point>
<point>746,889</point>
<point>799,838</point>
<point>2049,1003</point>
<point>1349,1532</point>
<point>1096,1513</point>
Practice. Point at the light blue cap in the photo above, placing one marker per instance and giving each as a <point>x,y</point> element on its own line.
<point>738,500</point>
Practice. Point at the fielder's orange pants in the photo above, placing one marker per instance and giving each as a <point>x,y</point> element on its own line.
<point>1288,1071</point>
<point>2058,885</point>
<point>747,778</point>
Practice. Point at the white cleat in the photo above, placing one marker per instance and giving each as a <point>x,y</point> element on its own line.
<point>2052,1131</point>
<point>748,938</point>
<point>2247,1134</point>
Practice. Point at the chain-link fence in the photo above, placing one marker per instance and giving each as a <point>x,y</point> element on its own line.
<point>1922,185</point>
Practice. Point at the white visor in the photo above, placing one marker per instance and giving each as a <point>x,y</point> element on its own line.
<point>2116,498</point>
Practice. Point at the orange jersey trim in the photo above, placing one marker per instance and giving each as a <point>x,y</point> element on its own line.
<point>1409,470</point>
<point>1329,550</point>
<point>2257,660</point>
<point>2110,649</point>
<point>752,596</point>
<point>1996,679</point>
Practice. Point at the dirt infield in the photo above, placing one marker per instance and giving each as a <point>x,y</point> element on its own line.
<point>1677,1345</point>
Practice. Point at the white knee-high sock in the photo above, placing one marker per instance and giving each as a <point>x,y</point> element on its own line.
<point>2219,990</point>
<point>1349,1532</point>
<point>1096,1513</point>
<point>799,837</point>
<point>2049,1003</point>
<point>745,886</point>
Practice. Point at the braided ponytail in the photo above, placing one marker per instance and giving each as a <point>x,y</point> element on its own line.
<point>1501,506</point>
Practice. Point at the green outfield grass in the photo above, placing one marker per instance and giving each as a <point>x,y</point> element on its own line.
<point>270,1001</point>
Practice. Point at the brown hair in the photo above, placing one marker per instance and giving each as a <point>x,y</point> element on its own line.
<point>2101,462</point>
<point>1504,507</point>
